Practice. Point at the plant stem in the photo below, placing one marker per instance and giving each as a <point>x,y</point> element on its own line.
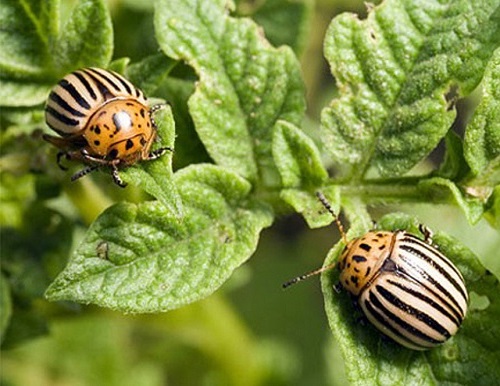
<point>87,198</point>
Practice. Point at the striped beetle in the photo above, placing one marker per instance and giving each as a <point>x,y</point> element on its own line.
<point>404,285</point>
<point>102,120</point>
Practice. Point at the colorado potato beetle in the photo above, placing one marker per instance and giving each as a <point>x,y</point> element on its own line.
<point>102,120</point>
<point>404,285</point>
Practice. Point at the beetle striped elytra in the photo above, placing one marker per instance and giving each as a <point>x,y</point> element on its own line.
<point>102,120</point>
<point>404,285</point>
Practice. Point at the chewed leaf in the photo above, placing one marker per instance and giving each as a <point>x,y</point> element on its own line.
<point>482,138</point>
<point>394,71</point>
<point>140,258</point>
<point>245,84</point>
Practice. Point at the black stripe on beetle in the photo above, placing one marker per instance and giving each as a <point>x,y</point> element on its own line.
<point>110,78</point>
<point>436,306</point>
<point>444,299</point>
<point>128,87</point>
<point>430,279</point>
<point>406,308</point>
<point>103,89</point>
<point>430,250</point>
<point>75,94</point>
<point>384,315</point>
<point>56,98</point>
<point>83,80</point>
<point>61,117</point>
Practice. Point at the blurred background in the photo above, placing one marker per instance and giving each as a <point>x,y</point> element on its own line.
<point>251,332</point>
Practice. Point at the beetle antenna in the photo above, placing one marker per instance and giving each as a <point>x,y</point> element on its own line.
<point>305,276</point>
<point>329,208</point>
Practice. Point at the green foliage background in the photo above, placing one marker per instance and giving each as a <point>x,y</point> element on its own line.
<point>258,124</point>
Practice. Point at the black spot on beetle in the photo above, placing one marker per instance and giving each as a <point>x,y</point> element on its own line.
<point>368,270</point>
<point>129,144</point>
<point>97,130</point>
<point>143,113</point>
<point>359,258</point>
<point>113,154</point>
<point>365,247</point>
<point>354,279</point>
<point>356,270</point>
<point>97,142</point>
<point>380,234</point>
<point>382,247</point>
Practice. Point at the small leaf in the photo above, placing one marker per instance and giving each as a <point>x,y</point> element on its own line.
<point>156,262</point>
<point>245,85</point>
<point>441,188</point>
<point>394,70</point>
<point>155,176</point>
<point>188,147</point>
<point>297,158</point>
<point>86,38</point>
<point>493,205</point>
<point>482,138</point>
<point>372,359</point>
<point>308,205</point>
<point>150,72</point>
<point>454,166</point>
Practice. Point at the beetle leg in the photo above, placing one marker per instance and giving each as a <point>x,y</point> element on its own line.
<point>158,153</point>
<point>116,176</point>
<point>153,110</point>
<point>84,172</point>
<point>92,159</point>
<point>59,156</point>
<point>159,106</point>
<point>426,232</point>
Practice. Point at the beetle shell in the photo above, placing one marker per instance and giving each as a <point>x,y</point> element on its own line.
<point>406,288</point>
<point>78,96</point>
<point>121,129</point>
<point>102,120</point>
